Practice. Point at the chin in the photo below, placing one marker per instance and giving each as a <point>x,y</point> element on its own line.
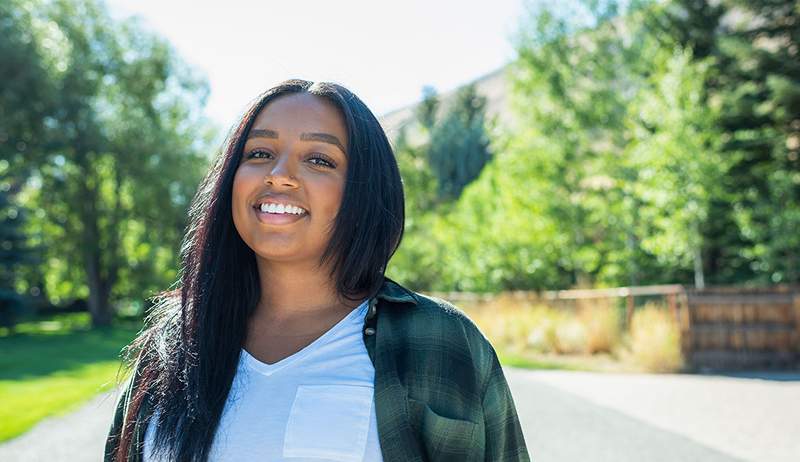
<point>281,255</point>
<point>274,255</point>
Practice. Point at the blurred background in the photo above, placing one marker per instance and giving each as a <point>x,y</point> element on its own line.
<point>603,186</point>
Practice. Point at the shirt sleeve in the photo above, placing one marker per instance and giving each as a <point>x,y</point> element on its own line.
<point>504,438</point>
<point>120,415</point>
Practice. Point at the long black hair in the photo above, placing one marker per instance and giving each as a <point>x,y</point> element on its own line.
<point>186,357</point>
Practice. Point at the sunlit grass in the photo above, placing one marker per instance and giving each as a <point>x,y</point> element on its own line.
<point>655,340</point>
<point>534,335</point>
<point>603,327</point>
<point>52,366</point>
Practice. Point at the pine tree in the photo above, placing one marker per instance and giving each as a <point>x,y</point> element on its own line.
<point>13,254</point>
<point>459,144</point>
<point>756,45</point>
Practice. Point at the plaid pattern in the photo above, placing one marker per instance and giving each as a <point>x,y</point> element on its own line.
<point>440,393</point>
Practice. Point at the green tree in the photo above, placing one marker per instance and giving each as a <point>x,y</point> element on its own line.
<point>573,83</point>
<point>416,261</point>
<point>756,78</point>
<point>121,155</point>
<point>28,92</point>
<point>458,147</point>
<point>14,251</point>
<point>676,150</point>
<point>426,112</point>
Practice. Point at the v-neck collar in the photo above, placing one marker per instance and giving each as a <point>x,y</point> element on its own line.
<point>269,369</point>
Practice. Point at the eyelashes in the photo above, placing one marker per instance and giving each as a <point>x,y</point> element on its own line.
<point>252,154</point>
<point>317,159</point>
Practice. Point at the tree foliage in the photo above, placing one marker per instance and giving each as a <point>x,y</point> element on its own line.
<point>459,146</point>
<point>756,80</point>
<point>111,146</point>
<point>656,142</point>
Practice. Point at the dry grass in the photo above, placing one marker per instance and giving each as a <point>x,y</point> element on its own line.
<point>655,340</point>
<point>588,337</point>
<point>506,321</point>
<point>518,325</point>
<point>603,328</point>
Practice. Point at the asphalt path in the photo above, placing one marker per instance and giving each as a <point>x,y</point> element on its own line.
<point>566,416</point>
<point>579,416</point>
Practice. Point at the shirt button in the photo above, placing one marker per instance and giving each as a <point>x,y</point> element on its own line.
<point>369,331</point>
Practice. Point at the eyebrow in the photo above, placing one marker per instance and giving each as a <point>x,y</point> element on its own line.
<point>314,136</point>
<point>261,133</point>
<point>324,137</point>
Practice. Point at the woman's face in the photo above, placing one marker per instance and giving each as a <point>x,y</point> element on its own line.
<point>293,161</point>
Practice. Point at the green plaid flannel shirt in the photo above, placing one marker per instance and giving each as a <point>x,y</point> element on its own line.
<point>440,393</point>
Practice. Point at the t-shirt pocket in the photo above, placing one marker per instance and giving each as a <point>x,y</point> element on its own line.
<point>329,421</point>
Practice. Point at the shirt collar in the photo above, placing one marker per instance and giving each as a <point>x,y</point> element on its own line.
<point>394,292</point>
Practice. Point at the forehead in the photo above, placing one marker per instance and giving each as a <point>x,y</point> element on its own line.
<point>302,112</point>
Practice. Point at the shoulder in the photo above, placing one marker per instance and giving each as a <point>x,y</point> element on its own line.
<point>436,327</point>
<point>427,312</point>
<point>450,317</point>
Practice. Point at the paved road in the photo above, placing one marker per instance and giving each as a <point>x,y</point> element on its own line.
<point>566,416</point>
<point>75,437</point>
<point>583,416</point>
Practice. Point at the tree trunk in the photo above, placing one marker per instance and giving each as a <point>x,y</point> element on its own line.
<point>699,277</point>
<point>99,295</point>
<point>98,281</point>
<point>633,268</point>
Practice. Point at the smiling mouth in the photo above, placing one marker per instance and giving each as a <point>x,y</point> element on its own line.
<point>278,208</point>
<point>273,216</point>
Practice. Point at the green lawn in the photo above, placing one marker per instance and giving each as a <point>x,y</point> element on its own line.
<point>523,362</point>
<point>50,367</point>
<point>588,363</point>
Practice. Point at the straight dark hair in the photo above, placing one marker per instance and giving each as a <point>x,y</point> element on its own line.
<point>185,359</point>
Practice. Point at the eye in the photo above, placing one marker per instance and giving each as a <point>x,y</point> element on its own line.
<point>322,161</point>
<point>259,154</point>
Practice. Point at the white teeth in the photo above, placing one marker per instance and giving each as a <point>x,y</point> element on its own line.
<point>281,209</point>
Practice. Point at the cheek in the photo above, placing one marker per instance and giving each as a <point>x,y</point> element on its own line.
<point>333,197</point>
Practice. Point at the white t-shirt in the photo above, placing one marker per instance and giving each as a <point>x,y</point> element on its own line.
<point>316,405</point>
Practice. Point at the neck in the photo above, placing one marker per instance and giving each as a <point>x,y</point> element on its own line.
<point>290,290</point>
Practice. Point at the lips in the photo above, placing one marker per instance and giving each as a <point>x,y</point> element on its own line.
<point>277,199</point>
<point>277,218</point>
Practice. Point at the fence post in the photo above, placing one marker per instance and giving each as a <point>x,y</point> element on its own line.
<point>673,307</point>
<point>629,309</point>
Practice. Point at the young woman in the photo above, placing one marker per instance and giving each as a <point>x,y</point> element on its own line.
<point>284,341</point>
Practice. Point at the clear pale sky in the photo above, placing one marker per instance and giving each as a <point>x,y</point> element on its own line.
<point>383,51</point>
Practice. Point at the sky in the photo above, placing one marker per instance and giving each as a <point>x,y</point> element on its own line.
<point>383,51</point>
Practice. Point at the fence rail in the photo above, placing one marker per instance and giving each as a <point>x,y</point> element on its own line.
<point>721,327</point>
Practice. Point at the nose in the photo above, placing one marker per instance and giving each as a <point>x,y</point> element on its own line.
<point>281,173</point>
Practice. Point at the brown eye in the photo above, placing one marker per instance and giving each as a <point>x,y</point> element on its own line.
<point>322,161</point>
<point>259,154</point>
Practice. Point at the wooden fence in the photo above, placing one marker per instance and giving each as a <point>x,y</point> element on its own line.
<point>734,328</point>
<point>722,328</point>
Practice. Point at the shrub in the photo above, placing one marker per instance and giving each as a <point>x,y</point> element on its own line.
<point>655,340</point>
<point>602,325</point>
<point>570,335</point>
<point>509,323</point>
